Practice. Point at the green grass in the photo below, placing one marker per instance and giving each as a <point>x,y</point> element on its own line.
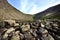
<point>52,16</point>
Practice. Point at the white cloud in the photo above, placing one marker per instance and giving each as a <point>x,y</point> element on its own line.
<point>34,9</point>
<point>23,4</point>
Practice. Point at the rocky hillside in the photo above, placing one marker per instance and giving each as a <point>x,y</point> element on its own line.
<point>7,11</point>
<point>50,13</point>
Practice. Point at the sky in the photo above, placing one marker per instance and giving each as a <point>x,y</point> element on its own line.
<point>33,6</point>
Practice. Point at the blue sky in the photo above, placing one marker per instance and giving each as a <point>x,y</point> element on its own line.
<point>33,6</point>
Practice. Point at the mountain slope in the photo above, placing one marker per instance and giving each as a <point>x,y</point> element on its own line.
<point>50,13</point>
<point>9,12</point>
